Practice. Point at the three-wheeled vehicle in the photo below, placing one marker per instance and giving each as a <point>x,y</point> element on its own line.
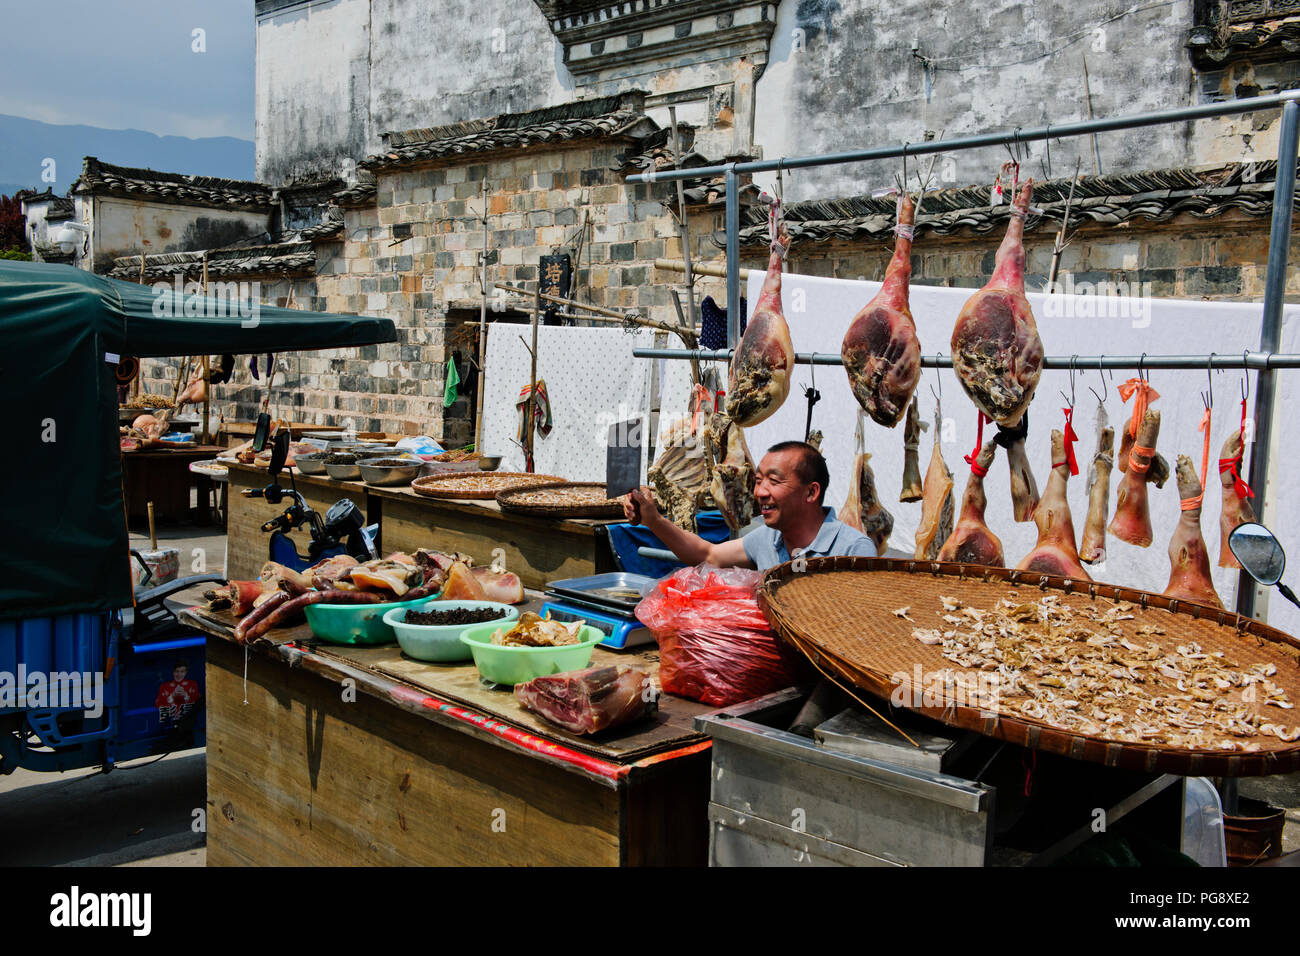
<point>89,674</point>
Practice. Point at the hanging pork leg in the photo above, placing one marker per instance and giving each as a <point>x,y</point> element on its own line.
<point>1093,548</point>
<point>972,542</point>
<point>1024,489</point>
<point>912,487</point>
<point>759,379</point>
<point>1132,521</point>
<point>1235,511</point>
<point>996,351</point>
<point>1189,559</point>
<point>881,353</point>
<point>1055,552</point>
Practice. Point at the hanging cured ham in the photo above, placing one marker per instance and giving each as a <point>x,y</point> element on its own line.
<point>1092,550</point>
<point>759,379</point>
<point>936,508</point>
<point>863,509</point>
<point>912,487</point>
<point>1236,510</point>
<point>1055,552</point>
<point>1132,521</point>
<point>1189,559</point>
<point>996,351</point>
<point>732,481</point>
<point>881,353</point>
<point>972,542</point>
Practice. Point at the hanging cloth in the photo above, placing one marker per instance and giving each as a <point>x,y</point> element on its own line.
<point>453,379</point>
<point>542,410</point>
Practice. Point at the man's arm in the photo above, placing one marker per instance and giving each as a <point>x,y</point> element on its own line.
<point>640,508</point>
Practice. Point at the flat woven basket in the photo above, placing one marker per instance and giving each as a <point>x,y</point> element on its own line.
<point>588,499</point>
<point>477,485</point>
<point>840,612</point>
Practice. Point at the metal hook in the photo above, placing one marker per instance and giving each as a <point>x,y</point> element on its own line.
<point>938,396</point>
<point>1073,358</point>
<point>1141,362</point>
<point>905,145</point>
<point>780,180</point>
<point>1245,375</point>
<point>1209,378</point>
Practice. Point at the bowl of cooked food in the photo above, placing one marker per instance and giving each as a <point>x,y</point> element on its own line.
<point>431,632</point>
<point>533,646</point>
<point>342,466</point>
<point>389,470</point>
<point>311,464</point>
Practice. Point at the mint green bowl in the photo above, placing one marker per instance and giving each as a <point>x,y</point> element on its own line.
<point>516,665</point>
<point>356,624</point>
<point>441,642</point>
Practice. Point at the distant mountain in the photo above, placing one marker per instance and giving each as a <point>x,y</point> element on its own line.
<point>25,145</point>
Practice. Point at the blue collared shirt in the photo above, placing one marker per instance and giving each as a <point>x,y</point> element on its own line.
<point>766,546</point>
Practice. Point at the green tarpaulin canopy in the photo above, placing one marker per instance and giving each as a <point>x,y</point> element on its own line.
<point>62,330</point>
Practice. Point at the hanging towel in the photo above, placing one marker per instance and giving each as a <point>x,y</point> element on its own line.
<point>453,379</point>
<point>542,415</point>
<point>713,323</point>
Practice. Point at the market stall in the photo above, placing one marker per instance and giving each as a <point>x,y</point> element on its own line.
<point>364,755</point>
<point>998,360</point>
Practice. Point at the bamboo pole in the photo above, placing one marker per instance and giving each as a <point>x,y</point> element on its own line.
<point>699,269</point>
<point>482,332</point>
<point>530,418</point>
<point>689,280</point>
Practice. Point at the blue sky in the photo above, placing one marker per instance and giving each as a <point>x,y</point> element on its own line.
<point>129,64</point>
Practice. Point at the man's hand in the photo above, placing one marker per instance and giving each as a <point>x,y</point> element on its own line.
<point>639,506</point>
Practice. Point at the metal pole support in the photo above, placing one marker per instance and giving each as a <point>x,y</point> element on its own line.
<point>733,258</point>
<point>1270,337</point>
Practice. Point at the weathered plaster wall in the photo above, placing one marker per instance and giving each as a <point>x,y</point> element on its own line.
<point>334,75</point>
<point>313,88</point>
<point>124,227</point>
<point>841,74</point>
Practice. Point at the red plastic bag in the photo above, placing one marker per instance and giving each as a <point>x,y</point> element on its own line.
<point>715,645</point>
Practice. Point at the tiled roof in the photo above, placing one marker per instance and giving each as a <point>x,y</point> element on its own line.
<point>604,117</point>
<point>276,259</point>
<point>1156,195</point>
<point>330,228</point>
<point>61,207</point>
<point>106,179</point>
<point>1279,35</point>
<point>50,252</point>
<point>361,194</point>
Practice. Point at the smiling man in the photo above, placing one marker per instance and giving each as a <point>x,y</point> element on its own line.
<point>790,489</point>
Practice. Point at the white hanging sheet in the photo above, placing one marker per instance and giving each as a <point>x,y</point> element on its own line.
<point>819,312</point>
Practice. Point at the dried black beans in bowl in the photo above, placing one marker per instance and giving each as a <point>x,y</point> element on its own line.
<point>455,615</point>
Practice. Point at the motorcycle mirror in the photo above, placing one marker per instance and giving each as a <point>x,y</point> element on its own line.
<point>279,453</point>
<point>1259,552</point>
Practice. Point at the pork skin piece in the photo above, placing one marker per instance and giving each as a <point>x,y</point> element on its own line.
<point>996,351</point>
<point>1189,559</point>
<point>1132,521</point>
<point>1234,511</point>
<point>276,575</point>
<point>1055,552</point>
<point>387,574</point>
<point>971,541</point>
<point>325,573</point>
<point>862,509</point>
<point>461,585</point>
<point>936,509</point>
<point>500,586</point>
<point>1093,548</point>
<point>588,701</point>
<point>758,381</point>
<point>881,353</point>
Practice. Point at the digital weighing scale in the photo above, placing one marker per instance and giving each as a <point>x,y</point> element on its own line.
<point>605,601</point>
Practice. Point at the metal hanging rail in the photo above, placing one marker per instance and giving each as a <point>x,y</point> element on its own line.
<point>1249,361</point>
<point>1275,281</point>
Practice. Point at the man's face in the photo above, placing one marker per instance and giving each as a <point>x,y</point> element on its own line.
<point>178,674</point>
<point>779,491</point>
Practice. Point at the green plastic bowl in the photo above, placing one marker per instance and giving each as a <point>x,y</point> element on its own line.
<point>441,642</point>
<point>515,665</point>
<point>356,624</point>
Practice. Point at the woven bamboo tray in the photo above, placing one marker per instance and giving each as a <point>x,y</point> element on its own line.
<point>589,501</point>
<point>839,611</point>
<point>478,485</point>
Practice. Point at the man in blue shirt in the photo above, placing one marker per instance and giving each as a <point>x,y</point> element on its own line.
<point>789,489</point>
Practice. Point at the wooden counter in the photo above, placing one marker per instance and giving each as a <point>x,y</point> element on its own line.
<point>342,756</point>
<point>161,475</point>
<point>539,550</point>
